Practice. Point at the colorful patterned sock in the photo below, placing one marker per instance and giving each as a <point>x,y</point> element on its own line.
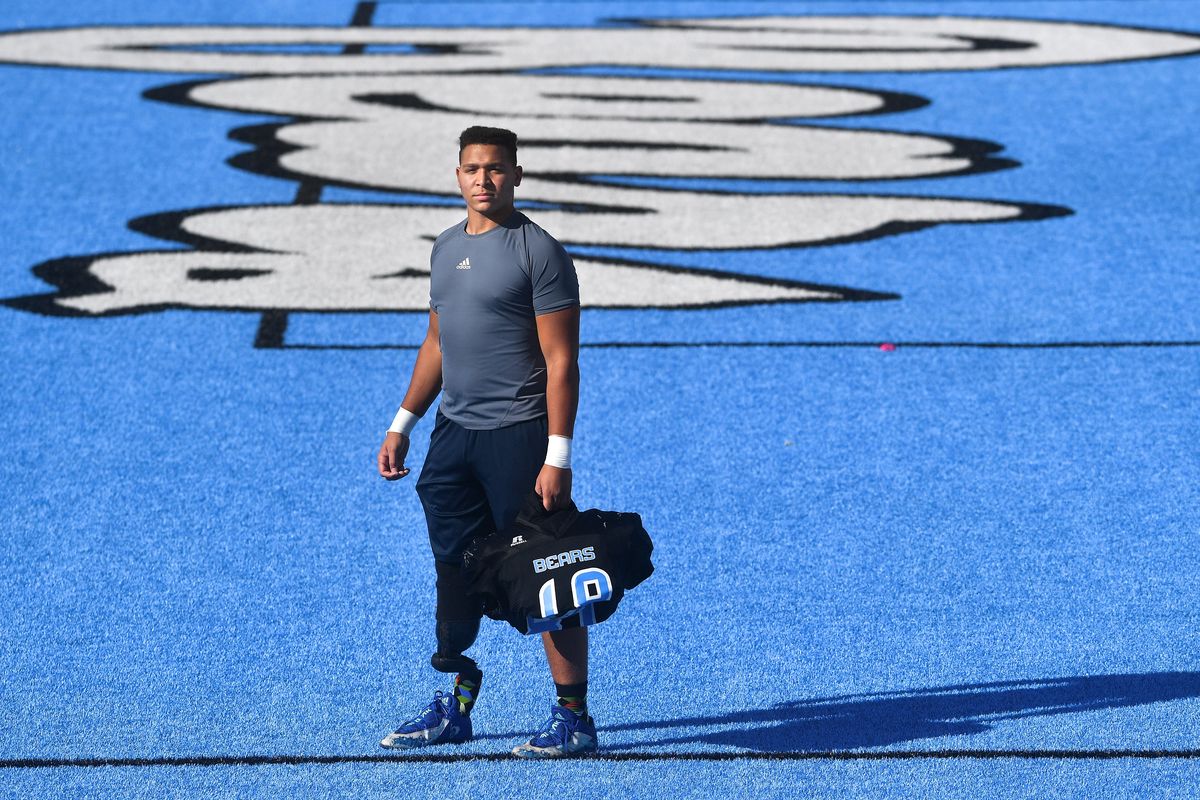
<point>573,697</point>
<point>466,689</point>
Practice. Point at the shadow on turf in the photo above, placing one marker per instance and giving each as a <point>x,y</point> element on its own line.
<point>842,728</point>
<point>887,718</point>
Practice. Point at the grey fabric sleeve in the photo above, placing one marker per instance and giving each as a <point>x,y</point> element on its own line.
<point>552,273</point>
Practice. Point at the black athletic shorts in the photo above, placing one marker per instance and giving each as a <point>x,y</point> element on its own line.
<point>473,482</point>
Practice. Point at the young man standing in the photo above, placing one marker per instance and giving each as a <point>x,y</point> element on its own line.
<point>502,348</point>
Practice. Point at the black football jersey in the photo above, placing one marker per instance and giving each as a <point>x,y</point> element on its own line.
<point>561,570</point>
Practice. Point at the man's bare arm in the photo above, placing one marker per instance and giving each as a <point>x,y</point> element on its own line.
<point>423,387</point>
<point>558,337</point>
<point>426,379</point>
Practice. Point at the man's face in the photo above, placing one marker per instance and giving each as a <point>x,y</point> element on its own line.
<point>487,177</point>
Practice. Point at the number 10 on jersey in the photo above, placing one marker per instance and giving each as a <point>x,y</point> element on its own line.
<point>588,586</point>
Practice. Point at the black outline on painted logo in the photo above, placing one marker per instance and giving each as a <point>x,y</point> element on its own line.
<point>365,11</point>
<point>268,150</point>
<point>72,278</point>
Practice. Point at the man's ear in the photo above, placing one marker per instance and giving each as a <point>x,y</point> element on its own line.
<point>518,172</point>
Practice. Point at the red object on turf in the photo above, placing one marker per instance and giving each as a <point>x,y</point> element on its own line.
<point>887,347</point>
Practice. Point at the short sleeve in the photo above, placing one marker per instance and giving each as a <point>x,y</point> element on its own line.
<point>555,285</point>
<point>433,252</point>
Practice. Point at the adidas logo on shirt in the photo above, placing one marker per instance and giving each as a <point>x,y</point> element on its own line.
<point>464,264</point>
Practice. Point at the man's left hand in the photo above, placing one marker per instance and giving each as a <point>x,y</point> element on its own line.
<point>554,487</point>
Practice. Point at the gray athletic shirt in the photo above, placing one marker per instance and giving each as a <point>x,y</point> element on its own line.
<point>486,289</point>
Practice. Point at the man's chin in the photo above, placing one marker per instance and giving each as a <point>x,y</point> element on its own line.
<point>492,209</point>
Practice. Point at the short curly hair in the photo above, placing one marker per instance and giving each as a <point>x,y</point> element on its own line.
<point>479,134</point>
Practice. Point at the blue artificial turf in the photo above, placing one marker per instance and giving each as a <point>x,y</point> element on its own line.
<point>928,550</point>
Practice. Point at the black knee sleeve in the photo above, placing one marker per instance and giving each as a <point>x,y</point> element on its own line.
<point>458,615</point>
<point>453,638</point>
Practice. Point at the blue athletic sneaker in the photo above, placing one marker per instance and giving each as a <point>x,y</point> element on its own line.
<point>564,734</point>
<point>440,722</point>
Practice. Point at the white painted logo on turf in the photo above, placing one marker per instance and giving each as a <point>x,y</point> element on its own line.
<point>615,161</point>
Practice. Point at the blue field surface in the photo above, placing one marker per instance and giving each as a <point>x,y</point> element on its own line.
<point>961,567</point>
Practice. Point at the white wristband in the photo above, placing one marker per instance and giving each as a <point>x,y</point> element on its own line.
<point>558,452</point>
<point>404,422</point>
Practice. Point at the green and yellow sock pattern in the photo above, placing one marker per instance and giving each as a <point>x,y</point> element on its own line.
<point>466,690</point>
<point>573,697</point>
<point>575,704</point>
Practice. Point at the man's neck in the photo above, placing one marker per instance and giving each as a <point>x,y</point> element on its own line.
<point>482,223</point>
